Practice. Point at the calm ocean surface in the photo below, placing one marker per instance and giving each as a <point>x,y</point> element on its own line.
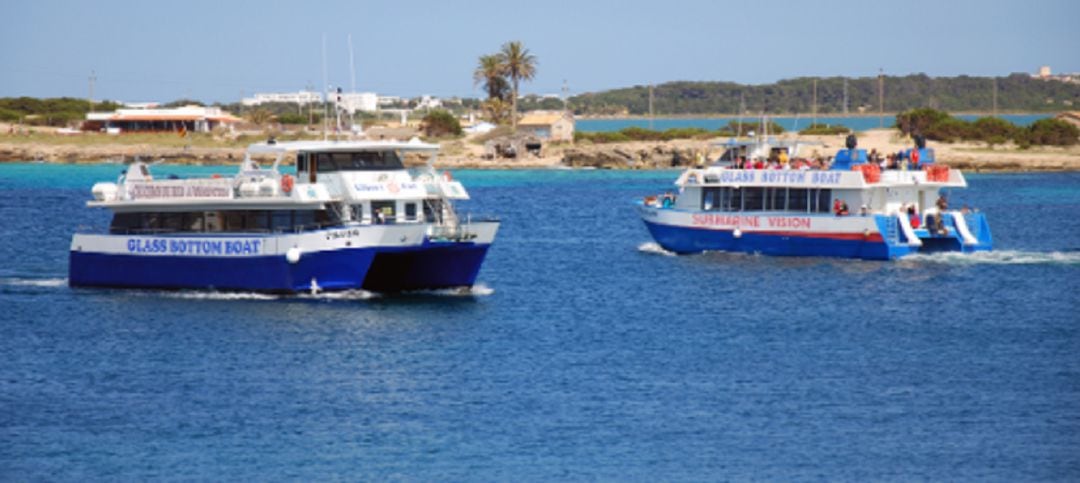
<point>860,123</point>
<point>586,354</point>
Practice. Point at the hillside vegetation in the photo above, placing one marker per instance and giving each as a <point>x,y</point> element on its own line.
<point>1017,93</point>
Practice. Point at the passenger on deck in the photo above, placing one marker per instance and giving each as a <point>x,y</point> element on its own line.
<point>840,208</point>
<point>913,217</point>
<point>784,159</point>
<point>942,204</point>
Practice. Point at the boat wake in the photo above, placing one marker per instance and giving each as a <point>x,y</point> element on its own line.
<point>478,290</point>
<point>34,282</point>
<point>211,295</point>
<point>654,248</point>
<point>999,257</point>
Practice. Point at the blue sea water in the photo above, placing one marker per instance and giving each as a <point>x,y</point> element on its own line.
<point>789,123</point>
<point>587,353</point>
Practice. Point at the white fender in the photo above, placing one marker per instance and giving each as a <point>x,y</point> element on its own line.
<point>293,255</point>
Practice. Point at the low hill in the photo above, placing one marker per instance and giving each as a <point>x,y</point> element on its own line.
<point>1015,93</point>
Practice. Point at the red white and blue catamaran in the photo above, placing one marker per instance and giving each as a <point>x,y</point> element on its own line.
<point>350,217</point>
<point>799,209</point>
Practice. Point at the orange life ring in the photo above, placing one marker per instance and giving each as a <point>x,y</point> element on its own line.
<point>287,183</point>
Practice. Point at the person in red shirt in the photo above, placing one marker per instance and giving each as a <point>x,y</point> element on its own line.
<point>913,217</point>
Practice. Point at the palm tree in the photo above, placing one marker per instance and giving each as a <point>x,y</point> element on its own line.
<point>518,64</point>
<point>489,71</point>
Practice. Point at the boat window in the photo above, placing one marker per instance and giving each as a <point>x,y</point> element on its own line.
<point>710,199</point>
<point>797,199</point>
<point>126,223</point>
<point>433,211</point>
<point>823,204</point>
<point>410,211</point>
<point>212,221</point>
<point>193,221</point>
<point>359,161</point>
<point>734,200</point>
<point>777,199</point>
<point>281,220</point>
<point>753,199</point>
<point>257,221</point>
<point>234,221</point>
<point>304,220</point>
<point>301,161</point>
<point>383,211</point>
<point>325,163</point>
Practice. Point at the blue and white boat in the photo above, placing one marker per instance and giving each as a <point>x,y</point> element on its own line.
<point>796,210</point>
<point>351,216</point>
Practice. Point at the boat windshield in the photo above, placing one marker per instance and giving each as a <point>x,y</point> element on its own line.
<point>351,161</point>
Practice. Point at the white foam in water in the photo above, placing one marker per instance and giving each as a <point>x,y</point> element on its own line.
<point>999,257</point>
<point>654,248</point>
<point>36,282</point>
<point>218,295</point>
<point>342,295</point>
<point>478,290</point>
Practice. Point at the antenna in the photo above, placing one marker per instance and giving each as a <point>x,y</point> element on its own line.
<point>352,67</point>
<point>326,88</point>
<point>352,86</point>
<point>814,110</point>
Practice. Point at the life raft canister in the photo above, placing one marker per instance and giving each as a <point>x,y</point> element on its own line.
<point>287,182</point>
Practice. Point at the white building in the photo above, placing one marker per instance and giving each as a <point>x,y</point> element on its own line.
<point>429,102</point>
<point>356,101</point>
<point>301,97</point>
<point>389,100</point>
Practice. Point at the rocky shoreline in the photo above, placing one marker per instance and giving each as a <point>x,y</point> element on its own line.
<point>629,155</point>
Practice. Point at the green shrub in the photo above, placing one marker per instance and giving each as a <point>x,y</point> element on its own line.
<point>440,123</point>
<point>825,129</point>
<point>919,121</point>
<point>948,130</point>
<point>1052,132</point>
<point>993,130</point>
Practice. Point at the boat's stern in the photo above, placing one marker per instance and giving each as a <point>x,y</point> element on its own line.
<point>449,257</point>
<point>954,231</point>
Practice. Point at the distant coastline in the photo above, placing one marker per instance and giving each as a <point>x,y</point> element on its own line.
<point>804,115</point>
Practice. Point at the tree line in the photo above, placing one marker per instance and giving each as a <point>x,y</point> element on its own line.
<point>1016,93</point>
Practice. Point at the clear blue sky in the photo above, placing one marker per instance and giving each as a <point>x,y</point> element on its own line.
<point>214,50</point>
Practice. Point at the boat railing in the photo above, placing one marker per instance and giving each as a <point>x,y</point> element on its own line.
<point>463,230</point>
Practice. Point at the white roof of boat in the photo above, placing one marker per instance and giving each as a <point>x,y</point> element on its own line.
<point>413,144</point>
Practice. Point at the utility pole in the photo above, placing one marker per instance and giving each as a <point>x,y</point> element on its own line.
<point>813,119</point>
<point>90,99</point>
<point>650,106</point>
<point>881,97</point>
